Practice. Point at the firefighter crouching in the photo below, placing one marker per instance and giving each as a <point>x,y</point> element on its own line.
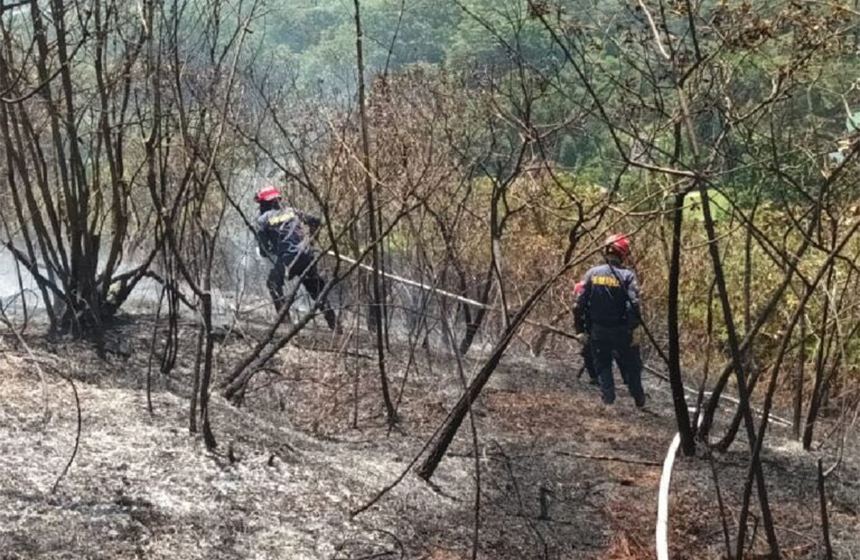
<point>283,240</point>
<point>610,300</point>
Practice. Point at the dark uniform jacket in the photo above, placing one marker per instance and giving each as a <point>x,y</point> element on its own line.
<point>281,233</point>
<point>610,300</point>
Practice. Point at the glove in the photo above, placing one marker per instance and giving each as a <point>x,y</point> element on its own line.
<point>636,337</point>
<point>313,224</point>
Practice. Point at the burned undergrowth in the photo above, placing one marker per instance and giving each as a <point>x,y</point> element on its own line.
<point>561,475</point>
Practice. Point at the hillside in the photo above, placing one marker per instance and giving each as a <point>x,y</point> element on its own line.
<point>466,193</point>
<point>290,468</point>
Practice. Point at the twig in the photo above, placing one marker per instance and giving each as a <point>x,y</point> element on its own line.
<point>339,351</point>
<point>152,352</point>
<point>46,410</point>
<point>77,434</point>
<point>356,373</point>
<point>774,419</point>
<point>627,460</point>
<point>753,535</point>
<point>841,452</point>
<point>721,505</point>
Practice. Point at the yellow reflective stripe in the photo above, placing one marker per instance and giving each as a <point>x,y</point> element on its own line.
<point>609,281</point>
<point>281,218</point>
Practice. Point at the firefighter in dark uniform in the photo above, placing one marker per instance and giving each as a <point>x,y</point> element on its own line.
<point>283,240</point>
<point>611,303</point>
<point>580,327</point>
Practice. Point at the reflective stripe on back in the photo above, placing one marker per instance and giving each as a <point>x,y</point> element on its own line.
<point>281,217</point>
<point>609,281</point>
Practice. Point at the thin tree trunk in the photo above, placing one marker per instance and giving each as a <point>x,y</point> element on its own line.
<point>195,383</point>
<point>820,359</point>
<point>679,400</point>
<point>737,358</point>
<point>477,319</point>
<point>749,337</point>
<point>798,384</point>
<point>768,403</point>
<point>825,521</point>
<point>152,351</point>
<point>206,377</point>
<point>356,371</point>
<point>377,311</point>
<point>748,272</point>
<point>384,310</point>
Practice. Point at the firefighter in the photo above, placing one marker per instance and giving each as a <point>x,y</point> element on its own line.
<point>283,239</point>
<point>611,302</point>
<point>579,326</point>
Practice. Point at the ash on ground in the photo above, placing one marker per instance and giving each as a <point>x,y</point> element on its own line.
<point>561,476</point>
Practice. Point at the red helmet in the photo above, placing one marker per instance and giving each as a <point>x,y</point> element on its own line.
<point>579,288</point>
<point>266,194</point>
<point>618,245</point>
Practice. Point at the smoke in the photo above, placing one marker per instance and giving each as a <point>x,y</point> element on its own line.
<point>11,296</point>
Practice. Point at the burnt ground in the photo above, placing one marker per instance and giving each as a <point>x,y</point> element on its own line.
<point>561,476</point>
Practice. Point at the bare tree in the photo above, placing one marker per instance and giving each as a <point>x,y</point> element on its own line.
<point>73,219</point>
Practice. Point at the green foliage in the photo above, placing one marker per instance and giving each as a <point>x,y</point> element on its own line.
<point>488,39</point>
<point>721,209</point>
<point>320,37</point>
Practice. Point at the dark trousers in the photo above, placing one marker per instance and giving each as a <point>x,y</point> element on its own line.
<point>607,344</point>
<point>587,355</point>
<point>588,362</point>
<point>290,266</point>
